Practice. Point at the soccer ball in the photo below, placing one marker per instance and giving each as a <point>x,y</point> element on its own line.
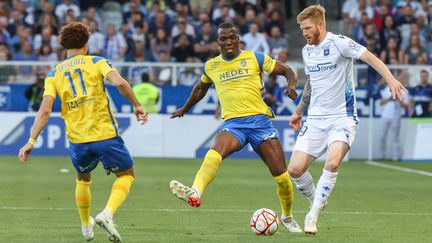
<point>264,221</point>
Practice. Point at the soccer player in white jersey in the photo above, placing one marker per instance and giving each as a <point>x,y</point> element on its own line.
<point>332,116</point>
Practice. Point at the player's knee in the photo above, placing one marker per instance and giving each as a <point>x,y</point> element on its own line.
<point>295,172</point>
<point>332,166</point>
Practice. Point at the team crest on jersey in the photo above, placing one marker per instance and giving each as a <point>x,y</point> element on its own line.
<point>243,63</point>
<point>326,50</point>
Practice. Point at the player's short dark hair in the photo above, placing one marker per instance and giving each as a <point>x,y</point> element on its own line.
<point>226,25</point>
<point>74,35</point>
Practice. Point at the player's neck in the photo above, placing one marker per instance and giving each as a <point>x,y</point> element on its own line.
<point>322,37</point>
<point>75,52</point>
<point>231,57</point>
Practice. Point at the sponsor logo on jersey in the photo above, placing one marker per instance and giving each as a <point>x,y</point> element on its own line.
<point>326,50</point>
<point>243,63</point>
<point>321,67</point>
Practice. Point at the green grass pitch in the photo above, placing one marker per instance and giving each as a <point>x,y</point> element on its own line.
<point>368,204</point>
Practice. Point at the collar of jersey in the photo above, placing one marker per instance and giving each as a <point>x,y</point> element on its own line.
<point>229,60</point>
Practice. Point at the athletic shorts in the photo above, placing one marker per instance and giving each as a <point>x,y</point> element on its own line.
<point>317,134</point>
<point>111,152</point>
<point>251,129</point>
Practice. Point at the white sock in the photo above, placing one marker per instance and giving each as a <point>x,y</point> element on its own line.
<point>324,188</point>
<point>198,193</point>
<point>305,185</point>
<point>107,214</point>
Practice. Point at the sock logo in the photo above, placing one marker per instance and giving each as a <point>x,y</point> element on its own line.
<point>326,188</point>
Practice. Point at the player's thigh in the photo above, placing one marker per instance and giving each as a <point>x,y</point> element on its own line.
<point>83,159</point>
<point>272,154</point>
<point>336,152</point>
<point>299,163</point>
<point>227,142</point>
<point>312,138</point>
<point>114,155</point>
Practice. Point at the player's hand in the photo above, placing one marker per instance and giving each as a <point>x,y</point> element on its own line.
<point>141,115</point>
<point>24,153</point>
<point>397,89</point>
<point>295,121</point>
<point>291,92</point>
<point>178,113</point>
<point>217,114</point>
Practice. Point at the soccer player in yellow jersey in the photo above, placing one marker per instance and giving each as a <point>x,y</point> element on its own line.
<point>238,78</point>
<point>90,125</point>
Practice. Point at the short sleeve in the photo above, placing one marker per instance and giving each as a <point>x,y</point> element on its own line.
<point>49,86</point>
<point>204,78</point>
<point>349,48</point>
<point>102,65</point>
<point>265,62</point>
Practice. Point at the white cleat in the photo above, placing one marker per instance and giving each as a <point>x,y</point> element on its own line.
<point>290,224</point>
<point>310,227</point>
<point>108,225</point>
<point>88,231</point>
<point>185,193</point>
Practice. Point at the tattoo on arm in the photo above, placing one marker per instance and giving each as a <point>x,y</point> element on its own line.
<point>305,100</point>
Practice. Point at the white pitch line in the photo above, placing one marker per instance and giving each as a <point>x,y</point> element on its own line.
<point>212,210</point>
<point>398,168</point>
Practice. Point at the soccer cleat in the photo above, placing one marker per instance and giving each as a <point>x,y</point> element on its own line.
<point>108,225</point>
<point>185,193</point>
<point>88,231</point>
<point>310,227</point>
<point>290,224</point>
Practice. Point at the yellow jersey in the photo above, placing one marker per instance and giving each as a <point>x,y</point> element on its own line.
<point>85,107</point>
<point>239,83</point>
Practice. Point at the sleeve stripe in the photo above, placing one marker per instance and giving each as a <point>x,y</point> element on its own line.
<point>260,58</point>
<point>97,59</point>
<point>51,73</point>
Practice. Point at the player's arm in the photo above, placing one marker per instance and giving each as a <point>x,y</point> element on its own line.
<point>198,92</point>
<point>283,69</point>
<point>397,89</point>
<point>39,124</point>
<point>126,91</point>
<point>295,120</point>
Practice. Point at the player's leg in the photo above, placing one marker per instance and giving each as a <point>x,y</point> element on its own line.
<point>395,129</point>
<point>224,144</point>
<point>115,158</point>
<point>336,152</point>
<point>272,154</point>
<point>297,168</point>
<point>386,127</point>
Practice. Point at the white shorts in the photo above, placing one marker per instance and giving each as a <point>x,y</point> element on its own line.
<point>318,133</point>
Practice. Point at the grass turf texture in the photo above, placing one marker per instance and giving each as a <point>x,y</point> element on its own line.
<point>368,204</point>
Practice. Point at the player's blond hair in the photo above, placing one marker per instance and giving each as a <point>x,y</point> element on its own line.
<point>316,13</point>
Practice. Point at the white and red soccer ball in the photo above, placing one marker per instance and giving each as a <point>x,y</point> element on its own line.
<point>264,221</point>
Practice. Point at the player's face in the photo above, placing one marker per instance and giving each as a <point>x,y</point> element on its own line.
<point>311,31</point>
<point>228,42</point>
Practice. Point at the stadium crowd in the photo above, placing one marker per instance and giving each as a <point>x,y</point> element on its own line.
<point>398,31</point>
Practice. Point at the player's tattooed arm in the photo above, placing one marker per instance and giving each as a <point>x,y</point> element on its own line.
<point>305,100</point>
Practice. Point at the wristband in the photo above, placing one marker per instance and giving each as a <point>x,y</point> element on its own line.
<point>31,141</point>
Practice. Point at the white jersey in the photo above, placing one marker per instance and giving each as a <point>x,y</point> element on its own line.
<point>330,68</point>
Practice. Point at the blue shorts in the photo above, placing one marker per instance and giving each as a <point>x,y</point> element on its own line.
<point>251,129</point>
<point>111,152</point>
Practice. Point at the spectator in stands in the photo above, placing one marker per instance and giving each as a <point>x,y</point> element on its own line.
<point>189,76</point>
<point>202,44</point>
<point>62,10</point>
<point>23,34</point>
<point>224,15</point>
<point>406,19</point>
<point>389,30</point>
<point>96,41</point>
<point>45,20</point>
<point>183,27</point>
<point>160,20</point>
<point>26,53</point>
<point>162,75</point>
<point>4,34</point>
<point>391,114</point>
<point>139,33</point>
<point>126,32</point>
<point>114,45</point>
<point>34,92</point>
<point>4,48</point>
<point>46,53</point>
<point>415,53</point>
<point>276,41</point>
<point>134,8</point>
<point>275,19</point>
<point>182,49</point>
<point>391,54</point>
<point>217,11</point>
<point>371,39</point>
<point>147,94</point>
<point>182,11</point>
<point>379,13</point>
<point>7,72</point>
<point>355,12</point>
<point>199,7</point>
<point>47,37</point>
<point>273,93</point>
<point>357,32</point>
<point>161,42</point>
<point>255,41</point>
<point>250,18</point>
<point>92,14</point>
<point>422,96</point>
<point>139,55</point>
